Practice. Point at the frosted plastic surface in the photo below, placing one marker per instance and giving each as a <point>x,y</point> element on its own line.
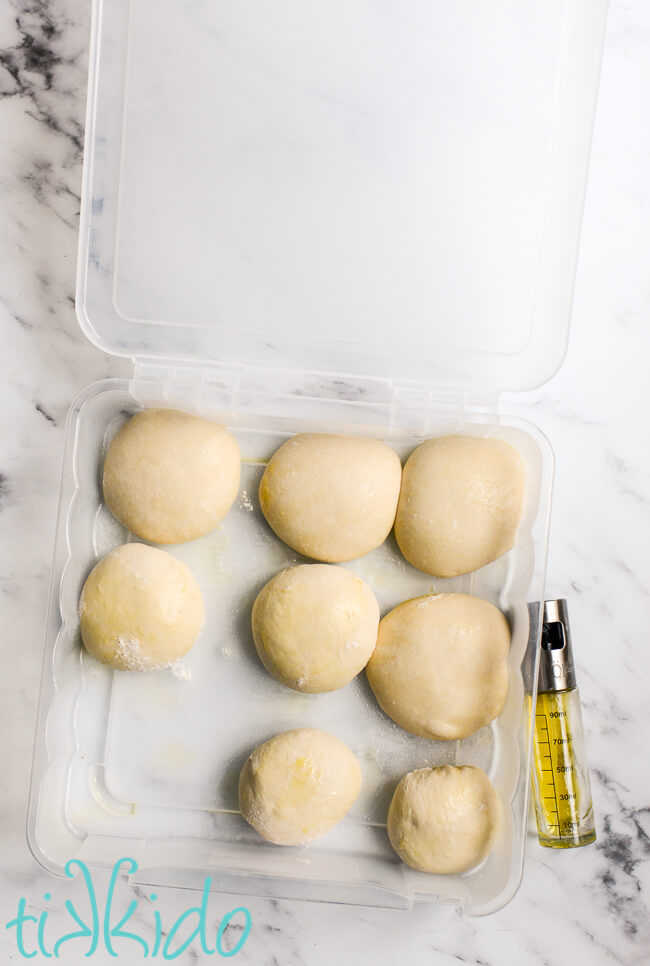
<point>147,764</point>
<point>357,187</point>
<point>354,186</point>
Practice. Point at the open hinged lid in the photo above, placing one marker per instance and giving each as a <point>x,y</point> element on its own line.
<point>358,186</point>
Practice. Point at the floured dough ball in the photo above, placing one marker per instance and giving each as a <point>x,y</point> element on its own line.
<point>297,786</point>
<point>315,626</point>
<point>332,498</point>
<point>140,609</point>
<point>439,666</point>
<point>169,476</point>
<point>460,504</point>
<point>444,820</point>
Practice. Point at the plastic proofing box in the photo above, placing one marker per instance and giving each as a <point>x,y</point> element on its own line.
<point>346,217</point>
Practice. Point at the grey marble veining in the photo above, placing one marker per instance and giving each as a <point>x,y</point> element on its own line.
<point>588,905</point>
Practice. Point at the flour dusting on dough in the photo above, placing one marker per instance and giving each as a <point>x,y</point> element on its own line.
<point>129,651</point>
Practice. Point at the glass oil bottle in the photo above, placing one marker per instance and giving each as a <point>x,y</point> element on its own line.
<point>560,775</point>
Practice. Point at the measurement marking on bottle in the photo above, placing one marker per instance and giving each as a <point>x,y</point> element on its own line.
<point>556,811</point>
<point>554,757</point>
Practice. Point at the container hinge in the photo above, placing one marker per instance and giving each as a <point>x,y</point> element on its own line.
<point>424,409</point>
<point>200,388</point>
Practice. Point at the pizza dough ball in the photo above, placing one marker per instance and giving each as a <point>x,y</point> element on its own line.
<point>170,477</point>
<point>439,666</point>
<point>331,498</point>
<point>297,786</point>
<point>460,504</point>
<point>444,820</point>
<point>315,626</point>
<point>140,609</point>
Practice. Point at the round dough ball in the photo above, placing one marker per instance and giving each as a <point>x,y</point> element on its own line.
<point>140,609</point>
<point>444,820</point>
<point>439,666</point>
<point>297,786</point>
<point>331,498</point>
<point>460,504</point>
<point>315,626</point>
<point>171,477</point>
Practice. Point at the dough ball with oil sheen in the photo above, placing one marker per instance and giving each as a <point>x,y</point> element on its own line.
<point>460,504</point>
<point>140,609</point>
<point>315,626</point>
<point>331,498</point>
<point>444,820</point>
<point>170,477</point>
<point>439,666</point>
<point>298,785</point>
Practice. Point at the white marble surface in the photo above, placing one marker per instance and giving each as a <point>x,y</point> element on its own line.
<point>588,905</point>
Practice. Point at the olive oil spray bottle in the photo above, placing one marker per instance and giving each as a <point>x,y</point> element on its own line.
<point>560,774</point>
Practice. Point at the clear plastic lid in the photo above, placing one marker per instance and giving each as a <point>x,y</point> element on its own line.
<point>357,186</point>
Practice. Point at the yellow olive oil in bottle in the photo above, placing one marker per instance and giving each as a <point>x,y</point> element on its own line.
<point>560,774</point>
